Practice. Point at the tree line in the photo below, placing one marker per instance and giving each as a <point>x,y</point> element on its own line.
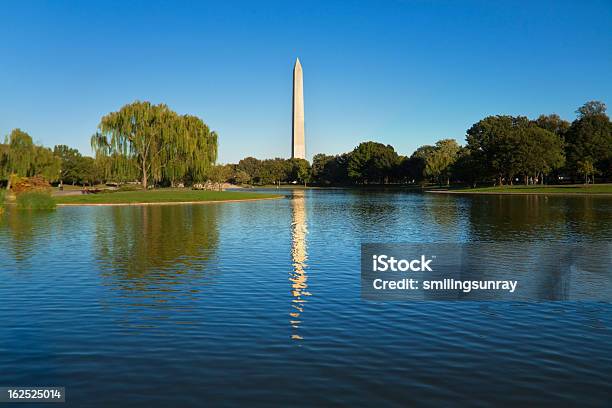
<point>155,145</point>
<point>141,141</point>
<point>498,150</point>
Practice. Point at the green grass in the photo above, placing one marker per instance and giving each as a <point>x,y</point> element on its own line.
<point>160,196</point>
<point>35,201</point>
<point>539,189</point>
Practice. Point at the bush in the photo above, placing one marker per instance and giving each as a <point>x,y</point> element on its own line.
<point>129,187</point>
<point>1,201</point>
<point>28,184</point>
<point>35,201</point>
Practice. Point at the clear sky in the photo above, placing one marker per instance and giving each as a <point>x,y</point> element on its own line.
<point>405,73</point>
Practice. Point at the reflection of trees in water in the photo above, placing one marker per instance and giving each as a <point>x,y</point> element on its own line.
<point>446,211</point>
<point>299,256</point>
<point>534,225</point>
<point>25,228</point>
<point>589,217</point>
<point>371,210</point>
<point>524,217</point>
<point>155,248</point>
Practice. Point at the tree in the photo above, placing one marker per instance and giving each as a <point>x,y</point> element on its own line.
<point>496,140</point>
<point>591,108</point>
<point>20,154</point>
<point>468,167</point>
<point>540,151</point>
<point>88,171</point>
<point>553,123</point>
<point>372,162</point>
<point>438,163</point>
<point>327,169</point>
<point>413,168</point>
<point>162,143</point>
<point>252,167</point>
<point>25,159</point>
<point>274,171</point>
<point>299,170</point>
<point>45,164</point>
<point>241,177</point>
<point>197,144</point>
<point>4,154</point>
<point>219,174</point>
<point>589,138</point>
<point>587,169</point>
<point>318,165</point>
<point>71,162</point>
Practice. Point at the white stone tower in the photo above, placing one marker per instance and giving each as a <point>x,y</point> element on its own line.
<point>298,144</point>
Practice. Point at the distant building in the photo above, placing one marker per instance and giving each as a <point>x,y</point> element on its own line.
<point>298,144</point>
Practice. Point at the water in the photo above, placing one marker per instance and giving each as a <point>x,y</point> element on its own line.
<point>259,302</point>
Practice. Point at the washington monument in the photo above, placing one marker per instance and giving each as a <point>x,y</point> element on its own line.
<point>298,145</point>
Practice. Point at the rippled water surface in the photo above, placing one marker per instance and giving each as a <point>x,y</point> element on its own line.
<point>260,302</point>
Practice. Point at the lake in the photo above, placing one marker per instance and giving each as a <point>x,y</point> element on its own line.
<point>259,303</point>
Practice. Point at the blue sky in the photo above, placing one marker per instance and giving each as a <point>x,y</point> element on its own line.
<point>405,73</point>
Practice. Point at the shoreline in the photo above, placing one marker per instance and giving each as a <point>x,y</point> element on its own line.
<point>145,203</point>
<point>546,193</point>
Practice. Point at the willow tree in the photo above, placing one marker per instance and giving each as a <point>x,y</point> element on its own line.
<point>161,142</point>
<point>46,164</point>
<point>199,149</point>
<point>20,155</point>
<point>21,152</point>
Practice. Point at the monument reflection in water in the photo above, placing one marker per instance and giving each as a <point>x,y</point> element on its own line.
<point>299,256</point>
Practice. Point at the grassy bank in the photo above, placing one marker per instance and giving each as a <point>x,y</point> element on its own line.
<point>35,200</point>
<point>161,196</point>
<point>573,189</point>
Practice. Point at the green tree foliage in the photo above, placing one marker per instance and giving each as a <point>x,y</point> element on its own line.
<point>252,167</point>
<point>162,144</point>
<point>496,139</point>
<point>468,168</point>
<point>318,165</point>
<point>46,164</point>
<point>71,164</point>
<point>591,108</point>
<point>20,156</point>
<point>589,138</point>
<point>219,174</point>
<point>153,143</point>
<point>20,153</point>
<point>510,146</point>
<point>553,123</point>
<point>327,170</point>
<point>439,161</point>
<point>413,168</point>
<point>372,162</point>
<point>89,172</point>
<point>586,169</point>
<point>540,151</point>
<point>4,154</point>
<point>299,170</point>
<point>274,171</point>
<point>241,177</point>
